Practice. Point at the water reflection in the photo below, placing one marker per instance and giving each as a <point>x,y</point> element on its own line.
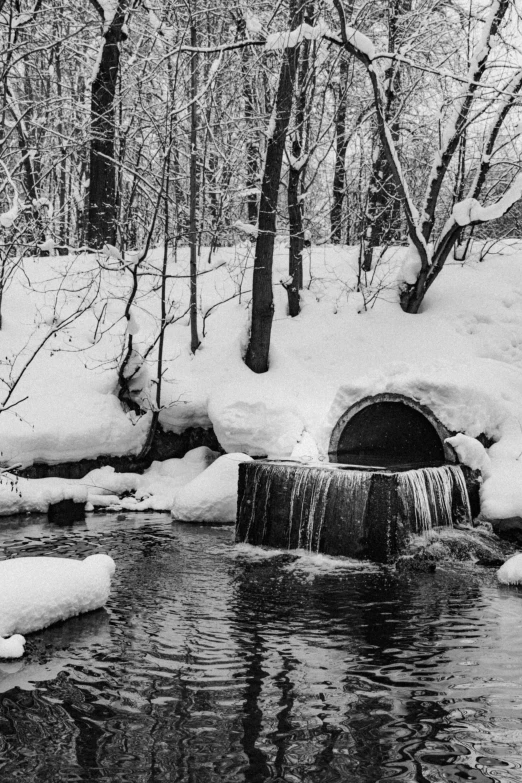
<point>208,668</point>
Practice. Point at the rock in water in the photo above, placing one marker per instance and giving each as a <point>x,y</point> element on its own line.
<point>39,591</point>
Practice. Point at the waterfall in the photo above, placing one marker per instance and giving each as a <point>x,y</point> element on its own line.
<point>355,513</point>
<point>291,506</point>
<point>314,491</point>
<point>432,497</point>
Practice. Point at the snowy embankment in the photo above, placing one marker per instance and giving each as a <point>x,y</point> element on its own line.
<point>200,487</point>
<point>461,357</point>
<point>39,591</point>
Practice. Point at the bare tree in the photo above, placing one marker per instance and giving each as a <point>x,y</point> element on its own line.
<point>102,215</point>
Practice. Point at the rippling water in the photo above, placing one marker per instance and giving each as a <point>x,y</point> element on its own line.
<point>211,665</point>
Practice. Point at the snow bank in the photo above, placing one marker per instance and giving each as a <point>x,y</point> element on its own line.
<point>103,487</point>
<point>157,488</point>
<point>511,572</point>
<point>39,591</point>
<point>501,492</point>
<point>211,496</point>
<point>20,495</point>
<point>461,356</point>
<point>257,418</point>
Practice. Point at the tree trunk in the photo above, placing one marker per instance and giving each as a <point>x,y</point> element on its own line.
<point>102,213</point>
<point>262,296</point>
<point>383,216</point>
<point>295,175</point>
<point>341,145</point>
<point>252,143</point>
<point>193,228</point>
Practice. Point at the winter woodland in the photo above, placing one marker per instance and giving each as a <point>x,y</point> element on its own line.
<point>250,216</point>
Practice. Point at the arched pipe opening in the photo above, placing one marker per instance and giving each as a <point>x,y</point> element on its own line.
<point>392,432</point>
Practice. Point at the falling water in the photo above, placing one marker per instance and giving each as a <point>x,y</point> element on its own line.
<point>356,513</point>
<point>259,496</point>
<point>433,497</point>
<point>311,494</point>
<point>295,506</point>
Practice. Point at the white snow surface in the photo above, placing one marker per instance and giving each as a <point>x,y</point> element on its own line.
<point>158,487</point>
<point>39,591</point>
<point>20,495</point>
<point>361,42</point>
<point>471,452</point>
<point>211,496</point>
<point>411,265</point>
<point>461,356</point>
<point>471,211</point>
<point>287,39</point>
<point>511,572</point>
<point>109,8</point>
<point>102,487</point>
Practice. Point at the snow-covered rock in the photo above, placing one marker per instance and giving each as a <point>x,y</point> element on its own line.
<point>501,493</point>
<point>471,452</point>
<point>12,647</point>
<point>39,591</point>
<point>511,572</point>
<point>211,496</point>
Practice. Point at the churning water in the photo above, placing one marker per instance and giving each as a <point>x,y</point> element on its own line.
<point>212,664</point>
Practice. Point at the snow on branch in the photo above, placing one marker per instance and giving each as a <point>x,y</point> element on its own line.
<point>211,76</point>
<point>288,39</point>
<point>8,218</point>
<point>459,118</point>
<point>155,22</point>
<point>360,42</point>
<point>471,211</point>
<point>109,8</point>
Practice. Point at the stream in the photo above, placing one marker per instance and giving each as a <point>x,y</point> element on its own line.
<point>213,662</point>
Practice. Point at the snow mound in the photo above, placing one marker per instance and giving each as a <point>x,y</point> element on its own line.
<point>511,572</point>
<point>163,477</point>
<point>471,452</point>
<point>501,493</point>
<point>12,647</point>
<point>20,495</point>
<point>39,591</point>
<point>157,487</point>
<point>255,418</point>
<point>105,481</point>
<point>103,487</point>
<point>211,496</point>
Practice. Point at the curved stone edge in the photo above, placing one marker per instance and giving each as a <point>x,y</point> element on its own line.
<point>442,431</point>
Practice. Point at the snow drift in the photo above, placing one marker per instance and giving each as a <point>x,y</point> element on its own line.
<point>212,496</point>
<point>511,572</point>
<point>39,591</point>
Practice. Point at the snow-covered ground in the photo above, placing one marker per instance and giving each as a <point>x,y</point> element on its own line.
<point>461,356</point>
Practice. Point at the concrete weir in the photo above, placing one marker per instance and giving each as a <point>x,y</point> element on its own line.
<point>366,514</point>
<point>391,474</point>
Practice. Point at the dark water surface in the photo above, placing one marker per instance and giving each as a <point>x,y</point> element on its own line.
<point>213,666</point>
